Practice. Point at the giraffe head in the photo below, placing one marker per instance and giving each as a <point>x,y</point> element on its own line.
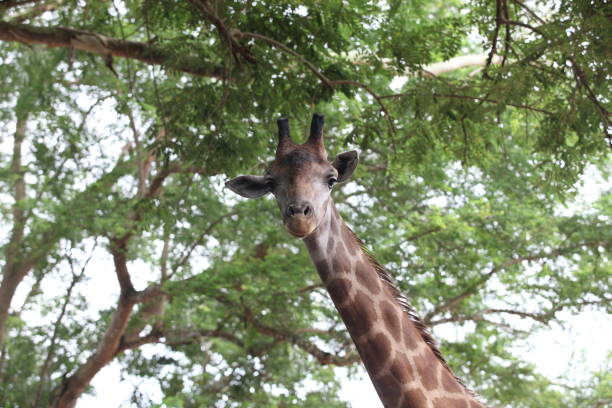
<point>300,178</point>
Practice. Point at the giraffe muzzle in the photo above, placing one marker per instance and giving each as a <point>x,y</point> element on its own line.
<point>299,209</point>
<point>299,219</point>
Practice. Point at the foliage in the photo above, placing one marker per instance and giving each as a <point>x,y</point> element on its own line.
<point>466,190</point>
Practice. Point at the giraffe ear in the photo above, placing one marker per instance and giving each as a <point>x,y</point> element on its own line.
<point>346,163</point>
<point>249,186</point>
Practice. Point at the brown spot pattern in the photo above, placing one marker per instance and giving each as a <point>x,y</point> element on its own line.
<point>450,403</point>
<point>367,276</point>
<point>391,319</point>
<point>389,390</point>
<point>323,269</point>
<point>427,370</point>
<point>401,370</point>
<point>375,352</point>
<point>360,313</point>
<point>339,290</point>
<point>411,336</point>
<point>450,383</point>
<point>341,251</point>
<point>414,399</point>
<point>341,263</point>
<point>349,239</point>
<point>340,267</point>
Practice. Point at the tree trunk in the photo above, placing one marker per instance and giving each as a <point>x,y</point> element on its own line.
<point>14,269</point>
<point>74,385</point>
<point>108,347</point>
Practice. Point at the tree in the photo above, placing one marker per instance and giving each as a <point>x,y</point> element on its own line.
<point>464,172</point>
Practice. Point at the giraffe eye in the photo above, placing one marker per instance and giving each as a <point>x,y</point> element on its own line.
<point>331,181</point>
<point>270,183</point>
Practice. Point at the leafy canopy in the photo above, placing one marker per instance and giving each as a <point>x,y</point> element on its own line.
<point>119,138</point>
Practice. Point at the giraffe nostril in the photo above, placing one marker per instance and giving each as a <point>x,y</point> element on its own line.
<point>299,209</point>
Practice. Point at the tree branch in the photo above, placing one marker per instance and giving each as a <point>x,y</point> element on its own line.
<point>39,245</point>
<point>534,15</point>
<point>477,317</point>
<point>376,97</point>
<point>474,98</point>
<point>289,51</point>
<point>112,342</point>
<point>462,61</point>
<point>326,81</point>
<point>502,17</point>
<point>108,46</point>
<point>495,36</point>
<point>12,271</point>
<point>185,257</point>
<point>582,81</point>
<point>521,24</point>
<point>44,369</point>
<point>119,252</point>
<point>35,11</point>
<point>74,385</point>
<point>323,357</point>
<point>452,302</point>
<point>227,35</point>
<point>539,317</point>
<point>434,69</point>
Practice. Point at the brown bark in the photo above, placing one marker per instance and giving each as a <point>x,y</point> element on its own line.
<point>14,270</point>
<point>227,35</point>
<point>282,335</point>
<point>107,47</point>
<point>19,262</point>
<point>112,342</point>
<point>74,385</point>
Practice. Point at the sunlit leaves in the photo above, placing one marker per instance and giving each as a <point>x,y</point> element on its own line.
<point>464,189</point>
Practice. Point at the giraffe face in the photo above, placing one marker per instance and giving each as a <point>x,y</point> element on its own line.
<point>301,182</point>
<point>300,178</point>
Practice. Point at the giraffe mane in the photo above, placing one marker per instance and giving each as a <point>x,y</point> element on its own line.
<point>399,297</point>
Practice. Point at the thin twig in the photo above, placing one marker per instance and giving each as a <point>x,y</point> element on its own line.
<point>494,42</point>
<point>331,84</point>
<point>508,37</point>
<point>474,98</point>
<point>227,35</point>
<point>374,95</point>
<point>534,15</point>
<point>521,24</point>
<point>288,50</point>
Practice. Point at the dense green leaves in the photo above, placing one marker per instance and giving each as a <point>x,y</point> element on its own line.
<point>468,190</point>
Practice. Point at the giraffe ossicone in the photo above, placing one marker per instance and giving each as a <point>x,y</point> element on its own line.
<point>400,356</point>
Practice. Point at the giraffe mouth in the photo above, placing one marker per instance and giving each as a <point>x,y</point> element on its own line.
<point>300,226</point>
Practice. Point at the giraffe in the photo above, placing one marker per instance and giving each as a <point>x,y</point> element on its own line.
<point>400,356</point>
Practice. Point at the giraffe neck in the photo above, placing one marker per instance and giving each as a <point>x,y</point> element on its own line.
<point>403,366</point>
